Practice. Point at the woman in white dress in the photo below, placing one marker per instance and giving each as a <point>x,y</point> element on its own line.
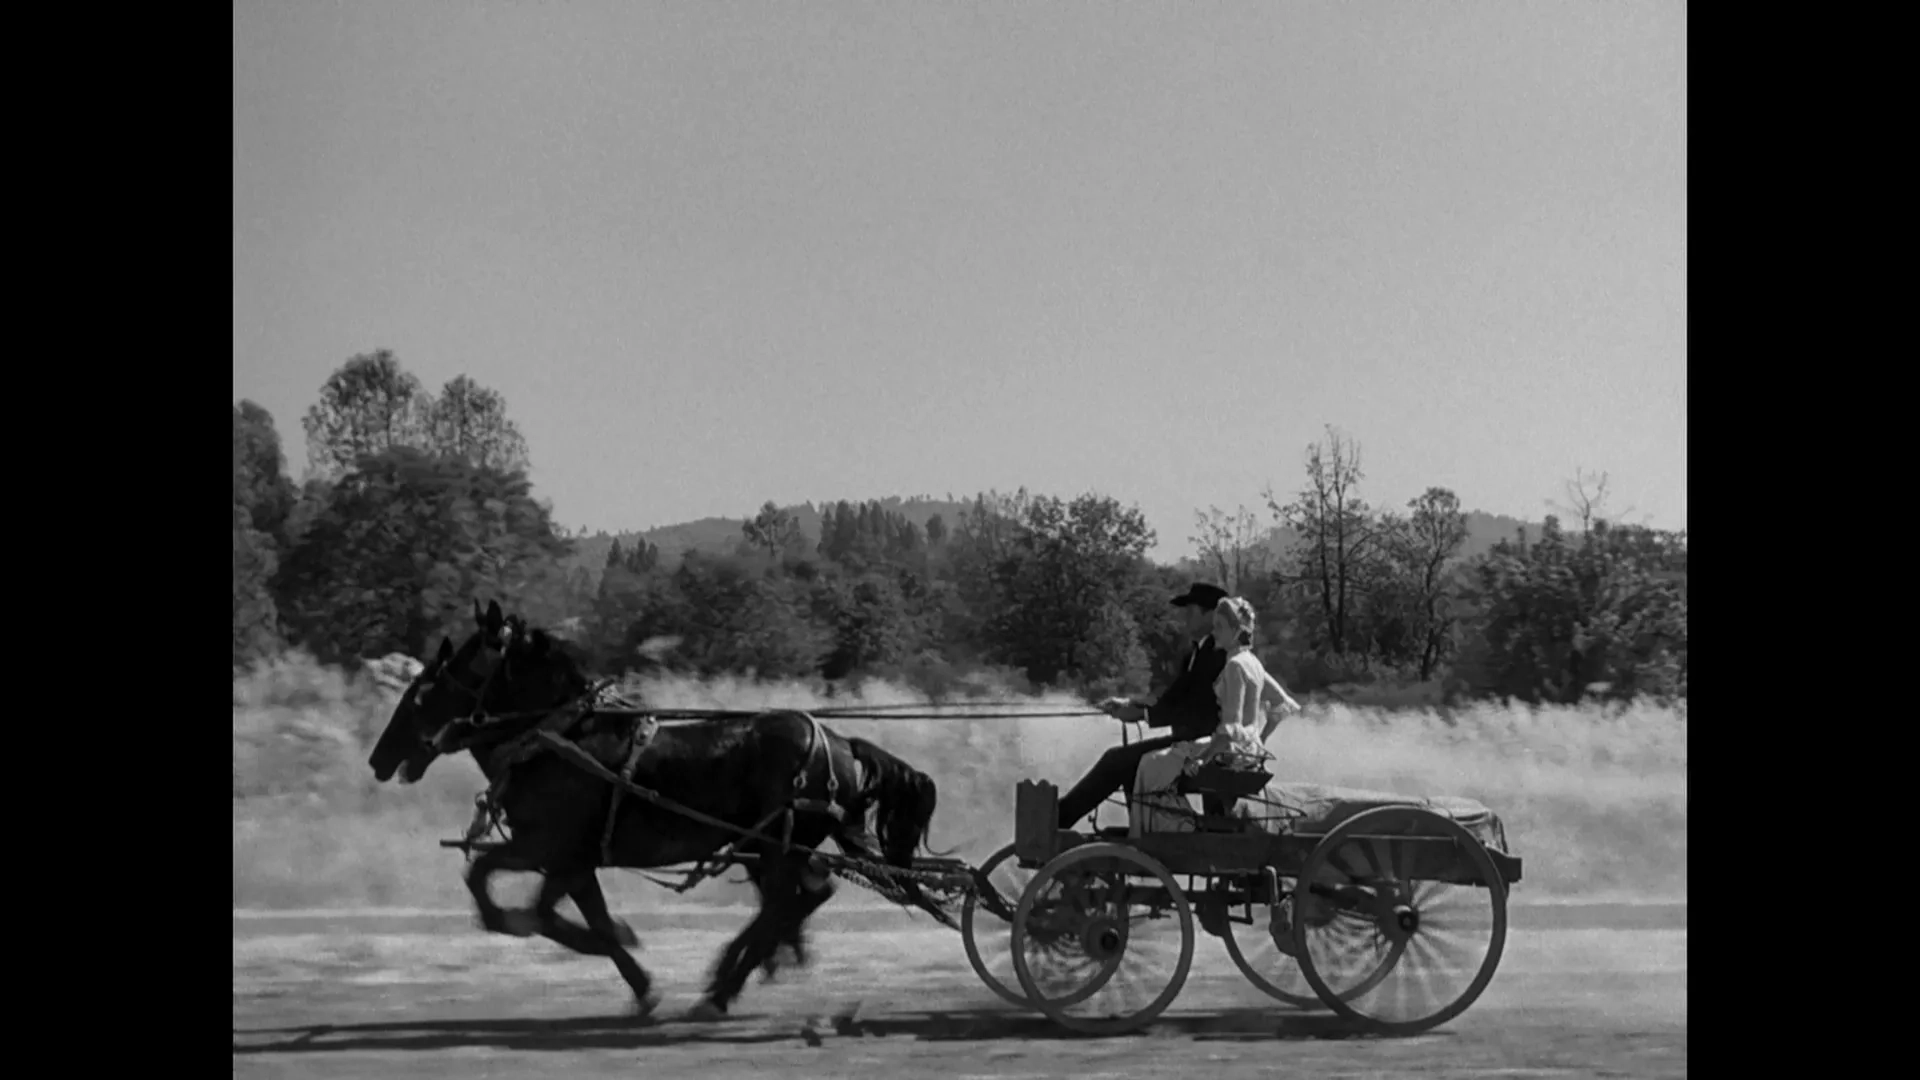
<point>1244,691</point>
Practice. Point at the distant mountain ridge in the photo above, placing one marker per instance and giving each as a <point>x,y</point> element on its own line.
<point>721,535</point>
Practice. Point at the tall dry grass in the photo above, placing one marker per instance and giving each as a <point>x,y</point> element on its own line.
<point>1594,800</point>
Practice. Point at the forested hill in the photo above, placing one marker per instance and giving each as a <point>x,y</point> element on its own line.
<point>721,535</point>
<point>716,536</point>
<point>419,504</point>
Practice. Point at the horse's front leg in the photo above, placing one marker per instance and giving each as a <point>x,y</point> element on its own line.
<point>585,890</point>
<point>493,918</point>
<point>557,887</point>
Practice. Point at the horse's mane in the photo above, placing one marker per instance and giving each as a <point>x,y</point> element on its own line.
<point>555,655</point>
<point>907,799</point>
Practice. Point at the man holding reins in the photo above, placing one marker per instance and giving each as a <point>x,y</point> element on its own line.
<point>1187,708</point>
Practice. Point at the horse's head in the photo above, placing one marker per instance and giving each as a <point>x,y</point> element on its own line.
<point>529,675</point>
<point>452,686</point>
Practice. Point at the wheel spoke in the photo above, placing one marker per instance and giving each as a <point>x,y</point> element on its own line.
<point>1421,975</point>
<point>1457,955</point>
<point>1404,865</point>
<point>1377,867</point>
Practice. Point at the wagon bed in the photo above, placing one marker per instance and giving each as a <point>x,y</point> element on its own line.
<point>1248,844</point>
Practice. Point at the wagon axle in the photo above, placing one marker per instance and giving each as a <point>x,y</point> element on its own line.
<point>1406,919</point>
<point>1102,939</point>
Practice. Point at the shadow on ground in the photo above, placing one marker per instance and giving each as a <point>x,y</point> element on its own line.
<point>624,1032</point>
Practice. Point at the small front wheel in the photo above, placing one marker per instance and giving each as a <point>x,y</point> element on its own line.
<point>1091,944</point>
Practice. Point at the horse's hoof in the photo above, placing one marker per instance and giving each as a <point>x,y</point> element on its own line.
<point>520,923</point>
<point>706,1012</point>
<point>644,1007</point>
<point>624,934</point>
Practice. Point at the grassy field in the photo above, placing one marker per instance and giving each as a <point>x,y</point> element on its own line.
<point>1596,802</point>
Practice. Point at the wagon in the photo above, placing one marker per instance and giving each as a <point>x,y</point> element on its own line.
<point>1390,911</point>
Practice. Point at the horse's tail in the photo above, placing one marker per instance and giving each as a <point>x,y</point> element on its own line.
<point>904,801</point>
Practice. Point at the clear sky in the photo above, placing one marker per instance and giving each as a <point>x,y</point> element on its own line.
<point>720,253</point>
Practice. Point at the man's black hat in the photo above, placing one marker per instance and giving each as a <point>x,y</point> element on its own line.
<point>1202,594</point>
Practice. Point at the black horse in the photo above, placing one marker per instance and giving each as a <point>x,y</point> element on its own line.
<point>505,677</point>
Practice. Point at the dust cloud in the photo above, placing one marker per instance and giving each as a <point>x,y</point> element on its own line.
<point>1594,800</point>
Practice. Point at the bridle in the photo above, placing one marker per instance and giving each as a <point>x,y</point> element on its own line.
<point>477,713</point>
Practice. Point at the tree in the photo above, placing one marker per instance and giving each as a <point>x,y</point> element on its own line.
<point>838,532</point>
<point>773,531</point>
<point>1061,588</point>
<point>1432,538</point>
<point>367,407</point>
<point>260,482</point>
<point>1586,500</point>
<point>1338,552</point>
<point>1562,620</point>
<point>642,558</point>
<point>729,616</point>
<point>469,421</point>
<point>401,545</point>
<point>263,502</point>
<point>256,624</point>
<point>1231,546</point>
<point>873,621</point>
<point>869,536</point>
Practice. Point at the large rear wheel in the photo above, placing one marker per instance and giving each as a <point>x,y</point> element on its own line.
<point>1383,943</point>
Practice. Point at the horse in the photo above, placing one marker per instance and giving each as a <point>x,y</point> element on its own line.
<point>744,772</point>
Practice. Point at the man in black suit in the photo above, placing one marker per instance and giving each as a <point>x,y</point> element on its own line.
<point>1187,708</point>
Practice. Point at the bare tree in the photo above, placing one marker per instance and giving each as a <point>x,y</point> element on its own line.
<point>1339,546</point>
<point>1587,501</point>
<point>1232,545</point>
<point>1430,539</point>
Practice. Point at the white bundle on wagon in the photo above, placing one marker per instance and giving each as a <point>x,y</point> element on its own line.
<point>1287,806</point>
<point>1166,794</point>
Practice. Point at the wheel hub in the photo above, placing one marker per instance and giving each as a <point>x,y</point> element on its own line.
<point>1102,938</point>
<point>1401,922</point>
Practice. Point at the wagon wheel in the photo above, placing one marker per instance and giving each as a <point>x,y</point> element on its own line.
<point>1111,945</point>
<point>1439,942</point>
<point>994,964</point>
<point>1056,953</point>
<point>1277,974</point>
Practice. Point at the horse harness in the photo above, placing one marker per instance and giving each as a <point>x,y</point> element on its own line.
<point>500,763</point>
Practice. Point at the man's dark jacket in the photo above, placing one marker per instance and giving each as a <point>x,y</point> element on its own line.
<point>1188,707</point>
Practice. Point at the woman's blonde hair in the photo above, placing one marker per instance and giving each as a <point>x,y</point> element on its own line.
<point>1239,613</point>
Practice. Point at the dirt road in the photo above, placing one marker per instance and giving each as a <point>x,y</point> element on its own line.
<point>1580,993</point>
